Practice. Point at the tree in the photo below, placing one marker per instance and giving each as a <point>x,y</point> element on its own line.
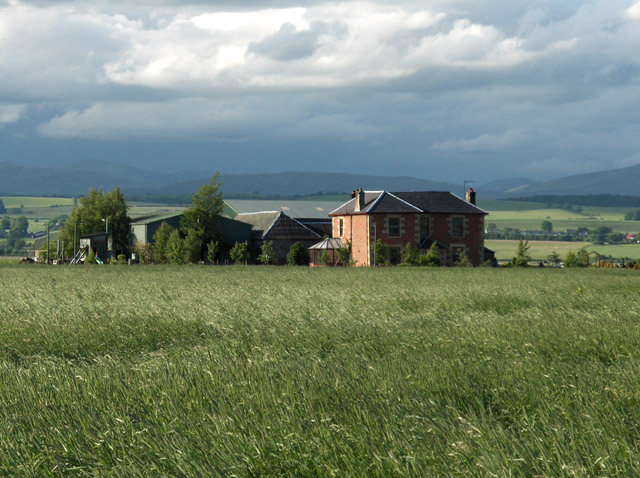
<point>97,212</point>
<point>410,255</point>
<point>144,251</point>
<point>18,230</point>
<point>239,252</point>
<point>3,209</point>
<point>298,255</point>
<point>577,259</point>
<point>554,257</point>
<point>212,251</point>
<point>5,223</point>
<point>175,248</point>
<point>160,238</point>
<point>599,234</point>
<point>203,214</point>
<point>381,253</point>
<point>267,256</point>
<point>547,226</point>
<point>522,256</point>
<point>193,246</point>
<point>431,258</point>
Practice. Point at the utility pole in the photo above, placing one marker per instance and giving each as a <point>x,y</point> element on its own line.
<point>375,244</point>
<point>47,242</point>
<point>75,234</point>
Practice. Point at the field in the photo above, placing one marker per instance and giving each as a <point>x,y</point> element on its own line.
<point>531,219</point>
<point>260,371</point>
<point>540,250</point>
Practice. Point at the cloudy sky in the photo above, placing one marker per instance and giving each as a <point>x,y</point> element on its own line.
<point>442,89</point>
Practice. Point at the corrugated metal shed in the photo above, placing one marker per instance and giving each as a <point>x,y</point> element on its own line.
<point>306,209</point>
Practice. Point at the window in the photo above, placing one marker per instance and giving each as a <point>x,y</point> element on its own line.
<point>457,226</point>
<point>341,227</point>
<point>424,228</point>
<point>394,227</point>
<point>395,255</point>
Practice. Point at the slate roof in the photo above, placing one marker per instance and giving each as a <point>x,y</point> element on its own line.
<point>407,202</point>
<point>260,222</point>
<point>276,225</point>
<point>321,226</point>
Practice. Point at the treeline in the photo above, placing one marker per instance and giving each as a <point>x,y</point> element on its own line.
<point>601,200</point>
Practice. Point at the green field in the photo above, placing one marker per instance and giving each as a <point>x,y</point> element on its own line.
<point>531,219</point>
<point>540,250</point>
<point>34,202</point>
<point>262,371</point>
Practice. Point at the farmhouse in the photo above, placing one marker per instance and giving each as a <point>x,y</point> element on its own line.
<point>418,218</point>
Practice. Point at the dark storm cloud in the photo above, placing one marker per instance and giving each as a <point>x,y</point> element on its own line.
<point>539,88</point>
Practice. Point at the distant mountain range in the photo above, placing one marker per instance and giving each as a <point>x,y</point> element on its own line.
<point>76,178</point>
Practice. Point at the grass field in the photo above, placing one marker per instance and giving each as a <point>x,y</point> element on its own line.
<point>540,250</point>
<point>34,202</point>
<point>257,371</point>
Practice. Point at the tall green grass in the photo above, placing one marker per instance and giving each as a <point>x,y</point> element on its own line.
<point>260,371</point>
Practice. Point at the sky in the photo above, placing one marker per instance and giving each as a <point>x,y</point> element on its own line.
<point>447,90</point>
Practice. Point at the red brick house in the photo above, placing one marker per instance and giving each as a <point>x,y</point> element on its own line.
<point>419,218</point>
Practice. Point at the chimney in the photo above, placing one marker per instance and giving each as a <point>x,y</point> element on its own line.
<point>471,196</point>
<point>359,200</point>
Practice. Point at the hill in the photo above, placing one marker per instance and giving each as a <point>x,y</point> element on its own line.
<point>509,184</point>
<point>77,178</point>
<point>623,181</point>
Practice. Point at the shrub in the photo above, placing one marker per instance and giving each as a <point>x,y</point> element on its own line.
<point>344,254</point>
<point>463,260</point>
<point>144,251</point>
<point>410,255</point>
<point>298,255</point>
<point>212,251</point>
<point>577,259</point>
<point>175,248</point>
<point>324,258</point>
<point>239,252</point>
<point>522,256</point>
<point>267,256</point>
<point>91,258</point>
<point>381,253</point>
<point>431,258</point>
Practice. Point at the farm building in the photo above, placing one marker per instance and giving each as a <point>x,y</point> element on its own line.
<point>278,227</point>
<point>99,243</point>
<point>418,218</point>
<point>311,210</point>
<point>231,231</point>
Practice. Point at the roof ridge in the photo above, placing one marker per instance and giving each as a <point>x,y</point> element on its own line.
<point>406,202</point>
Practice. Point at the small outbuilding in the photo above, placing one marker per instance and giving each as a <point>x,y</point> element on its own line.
<point>330,246</point>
